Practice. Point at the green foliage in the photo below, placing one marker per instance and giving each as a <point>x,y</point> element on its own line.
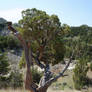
<point>66,29</point>
<point>4,70</point>
<point>12,42</point>
<point>8,42</point>
<point>2,21</point>
<point>7,79</point>
<point>59,50</point>
<point>16,79</point>
<point>79,39</point>
<point>80,72</point>
<point>4,65</point>
<point>91,66</point>
<point>4,82</point>
<point>36,75</point>
<point>36,26</point>
<point>22,62</point>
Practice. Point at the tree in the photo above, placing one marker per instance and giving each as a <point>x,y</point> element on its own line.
<point>2,21</point>
<point>8,42</point>
<point>80,73</point>
<point>41,38</point>
<point>44,33</point>
<point>4,70</point>
<point>4,65</point>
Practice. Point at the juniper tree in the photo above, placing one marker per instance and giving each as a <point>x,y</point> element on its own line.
<point>41,37</point>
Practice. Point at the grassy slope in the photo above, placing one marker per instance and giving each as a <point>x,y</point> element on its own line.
<point>65,84</point>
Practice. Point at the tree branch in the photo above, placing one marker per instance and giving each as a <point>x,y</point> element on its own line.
<point>40,54</point>
<point>17,34</point>
<point>41,48</point>
<point>38,62</point>
<point>49,82</point>
<point>28,56</point>
<point>47,75</point>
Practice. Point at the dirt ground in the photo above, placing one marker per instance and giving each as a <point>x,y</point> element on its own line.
<point>49,90</point>
<point>67,79</point>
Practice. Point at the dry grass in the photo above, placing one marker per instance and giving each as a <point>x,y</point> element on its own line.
<point>67,79</point>
<point>49,90</point>
<point>12,90</point>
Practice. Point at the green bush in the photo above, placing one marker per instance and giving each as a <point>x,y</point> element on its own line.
<point>80,72</point>
<point>16,79</point>
<point>4,70</point>
<point>4,64</point>
<point>9,42</point>
<point>22,62</point>
<point>4,82</point>
<point>36,75</point>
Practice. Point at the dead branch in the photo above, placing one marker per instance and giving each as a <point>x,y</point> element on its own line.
<point>49,82</point>
<point>29,84</point>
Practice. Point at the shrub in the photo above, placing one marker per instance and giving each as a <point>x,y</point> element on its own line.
<point>80,72</point>
<point>4,82</point>
<point>36,75</point>
<point>22,62</point>
<point>16,79</point>
<point>4,70</point>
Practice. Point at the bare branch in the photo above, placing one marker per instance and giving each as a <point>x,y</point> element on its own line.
<point>49,82</point>
<point>47,75</point>
<point>17,34</point>
<point>28,56</point>
<point>23,42</point>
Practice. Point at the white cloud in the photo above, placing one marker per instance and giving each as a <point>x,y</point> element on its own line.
<point>11,15</point>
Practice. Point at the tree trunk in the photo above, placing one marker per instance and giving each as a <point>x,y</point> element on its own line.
<point>28,80</point>
<point>42,90</point>
<point>47,79</point>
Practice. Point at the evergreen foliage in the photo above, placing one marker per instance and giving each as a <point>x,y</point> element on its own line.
<point>80,74</point>
<point>4,70</point>
<point>37,26</point>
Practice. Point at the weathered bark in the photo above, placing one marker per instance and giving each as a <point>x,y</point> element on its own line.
<point>29,85</point>
<point>47,75</point>
<point>47,79</point>
<point>50,81</point>
<point>44,89</point>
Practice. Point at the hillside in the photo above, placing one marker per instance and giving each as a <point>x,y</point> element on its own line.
<point>78,39</point>
<point>3,29</point>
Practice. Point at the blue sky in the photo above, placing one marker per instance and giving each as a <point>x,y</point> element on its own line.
<point>71,12</point>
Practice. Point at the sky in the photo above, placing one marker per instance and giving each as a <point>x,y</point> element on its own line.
<point>71,12</point>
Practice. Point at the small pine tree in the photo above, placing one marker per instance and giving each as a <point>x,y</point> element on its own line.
<point>4,65</point>
<point>4,70</point>
<point>80,72</point>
